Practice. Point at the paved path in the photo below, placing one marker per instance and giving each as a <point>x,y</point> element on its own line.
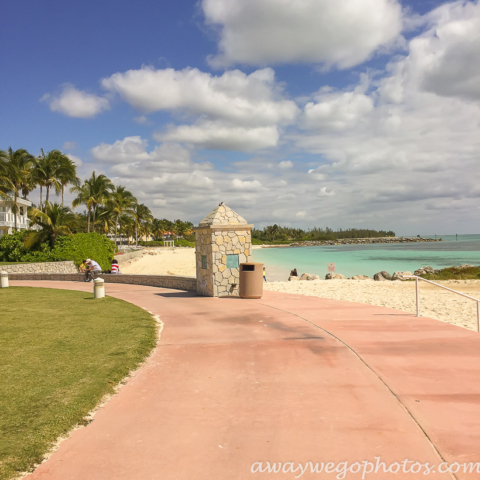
<point>286,378</point>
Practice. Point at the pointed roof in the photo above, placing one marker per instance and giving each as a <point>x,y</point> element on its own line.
<point>223,215</point>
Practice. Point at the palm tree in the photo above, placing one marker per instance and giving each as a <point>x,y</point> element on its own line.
<point>142,216</point>
<point>55,221</point>
<point>16,170</point>
<point>121,202</point>
<point>158,228</point>
<point>46,172</point>
<point>84,197</point>
<point>67,174</point>
<point>94,191</point>
<point>5,183</point>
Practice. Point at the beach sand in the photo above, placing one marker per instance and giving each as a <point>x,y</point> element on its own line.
<point>434,302</point>
<point>160,261</point>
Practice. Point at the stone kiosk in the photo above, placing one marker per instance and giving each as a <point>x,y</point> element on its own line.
<point>223,240</point>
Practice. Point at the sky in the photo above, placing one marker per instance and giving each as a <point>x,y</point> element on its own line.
<point>303,113</point>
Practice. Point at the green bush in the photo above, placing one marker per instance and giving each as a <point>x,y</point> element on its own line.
<point>85,245</point>
<point>76,248</point>
<point>455,273</point>
<point>178,243</point>
<point>11,247</point>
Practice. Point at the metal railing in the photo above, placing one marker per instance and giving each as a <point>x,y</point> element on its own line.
<point>445,288</point>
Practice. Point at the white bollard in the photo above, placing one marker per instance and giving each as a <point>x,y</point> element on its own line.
<point>99,288</point>
<point>4,279</point>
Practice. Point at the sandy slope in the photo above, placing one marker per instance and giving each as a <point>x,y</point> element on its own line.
<point>179,261</point>
<point>435,302</point>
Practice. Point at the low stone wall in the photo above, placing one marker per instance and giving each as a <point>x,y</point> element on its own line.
<point>166,281</point>
<point>47,267</point>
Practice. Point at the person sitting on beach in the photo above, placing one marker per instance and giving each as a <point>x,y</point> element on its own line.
<point>294,273</point>
<point>115,267</point>
<point>93,270</point>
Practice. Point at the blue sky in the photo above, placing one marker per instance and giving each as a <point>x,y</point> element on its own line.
<point>303,113</point>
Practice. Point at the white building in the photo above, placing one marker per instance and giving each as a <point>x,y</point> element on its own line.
<point>7,217</point>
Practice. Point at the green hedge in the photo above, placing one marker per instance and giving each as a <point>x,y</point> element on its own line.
<point>76,248</point>
<point>178,243</point>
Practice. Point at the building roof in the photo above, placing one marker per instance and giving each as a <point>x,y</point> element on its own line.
<point>20,201</point>
<point>223,215</point>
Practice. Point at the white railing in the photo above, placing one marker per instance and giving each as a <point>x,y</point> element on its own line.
<point>445,288</point>
<point>8,220</point>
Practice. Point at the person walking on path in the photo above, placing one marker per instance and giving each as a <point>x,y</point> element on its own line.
<point>264,275</point>
<point>93,270</point>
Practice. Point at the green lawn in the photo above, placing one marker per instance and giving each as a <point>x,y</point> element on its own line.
<point>60,352</point>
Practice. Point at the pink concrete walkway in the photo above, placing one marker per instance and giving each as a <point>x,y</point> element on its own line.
<point>283,379</point>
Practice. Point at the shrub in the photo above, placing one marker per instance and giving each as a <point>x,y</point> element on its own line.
<point>85,245</point>
<point>179,243</point>
<point>76,248</point>
<point>11,247</point>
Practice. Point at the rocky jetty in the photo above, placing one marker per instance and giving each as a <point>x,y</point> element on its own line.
<point>364,241</point>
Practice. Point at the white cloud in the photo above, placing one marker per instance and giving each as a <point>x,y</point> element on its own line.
<point>69,145</point>
<point>285,164</point>
<point>130,149</point>
<point>215,135</point>
<point>342,32</point>
<point>248,185</point>
<point>76,103</point>
<point>301,214</point>
<point>141,120</point>
<point>446,59</point>
<point>325,192</point>
<point>337,111</point>
<point>248,100</point>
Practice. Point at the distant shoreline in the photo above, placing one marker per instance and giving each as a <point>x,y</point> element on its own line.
<point>352,241</point>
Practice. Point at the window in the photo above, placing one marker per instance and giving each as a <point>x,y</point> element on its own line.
<point>204,262</point>
<point>232,261</point>
<point>21,210</point>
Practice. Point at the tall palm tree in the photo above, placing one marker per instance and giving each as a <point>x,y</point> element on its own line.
<point>55,221</point>
<point>94,191</point>
<point>121,202</point>
<point>5,183</point>
<point>142,217</point>
<point>158,228</point>
<point>84,197</point>
<point>67,174</point>
<point>16,170</point>
<point>46,172</point>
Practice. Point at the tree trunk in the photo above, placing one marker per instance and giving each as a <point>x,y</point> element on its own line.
<point>136,236</point>
<point>41,198</point>
<point>88,221</point>
<point>93,219</point>
<point>116,227</point>
<point>63,195</point>
<point>48,191</point>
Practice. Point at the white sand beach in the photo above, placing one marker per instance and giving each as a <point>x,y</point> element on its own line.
<point>435,302</point>
<point>163,261</point>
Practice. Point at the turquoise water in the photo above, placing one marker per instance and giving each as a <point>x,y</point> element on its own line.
<point>370,259</point>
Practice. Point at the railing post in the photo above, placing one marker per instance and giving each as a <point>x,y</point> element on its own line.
<point>418,300</point>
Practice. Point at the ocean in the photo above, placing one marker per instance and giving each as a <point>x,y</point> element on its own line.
<point>369,259</point>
